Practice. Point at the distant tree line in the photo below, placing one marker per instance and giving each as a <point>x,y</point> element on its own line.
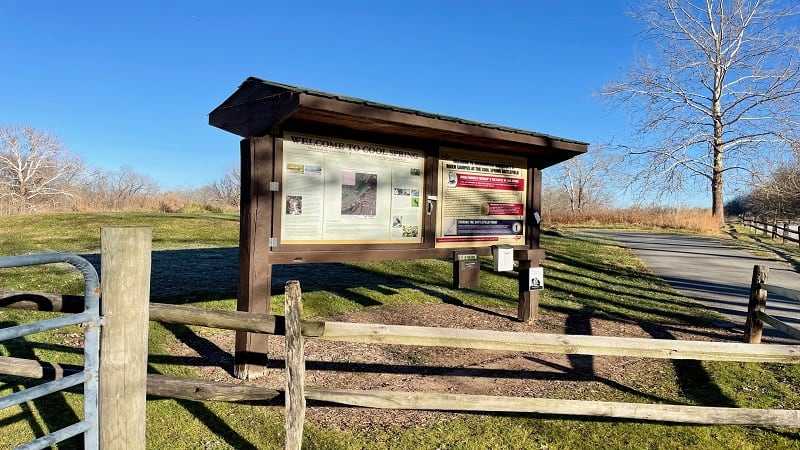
<point>38,173</point>
<point>776,197</point>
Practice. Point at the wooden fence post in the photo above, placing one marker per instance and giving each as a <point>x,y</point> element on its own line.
<point>125,285</point>
<point>758,300</point>
<point>528,301</point>
<point>295,368</point>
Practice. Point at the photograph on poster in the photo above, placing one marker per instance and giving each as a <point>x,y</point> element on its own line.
<point>350,191</point>
<point>359,193</point>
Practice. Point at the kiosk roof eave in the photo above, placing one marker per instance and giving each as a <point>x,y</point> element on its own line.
<point>259,108</point>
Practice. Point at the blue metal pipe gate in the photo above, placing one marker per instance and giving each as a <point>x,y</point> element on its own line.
<point>89,426</point>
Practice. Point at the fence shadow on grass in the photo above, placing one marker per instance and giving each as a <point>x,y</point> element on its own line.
<point>214,423</point>
<point>693,379</point>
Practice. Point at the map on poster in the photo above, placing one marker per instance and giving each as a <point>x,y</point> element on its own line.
<point>482,199</point>
<point>340,191</point>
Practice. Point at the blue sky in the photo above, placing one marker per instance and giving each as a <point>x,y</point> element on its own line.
<point>133,82</point>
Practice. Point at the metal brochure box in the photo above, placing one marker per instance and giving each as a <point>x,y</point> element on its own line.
<point>503,258</point>
<point>466,270</point>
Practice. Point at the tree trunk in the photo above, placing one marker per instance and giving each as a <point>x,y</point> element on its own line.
<point>717,205</point>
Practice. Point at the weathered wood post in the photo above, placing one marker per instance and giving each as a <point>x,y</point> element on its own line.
<point>758,300</point>
<point>295,368</point>
<point>774,228</point>
<point>528,301</point>
<point>125,285</point>
<point>785,232</point>
<point>255,269</point>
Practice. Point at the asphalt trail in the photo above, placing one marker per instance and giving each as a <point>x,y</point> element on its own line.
<point>712,273</point>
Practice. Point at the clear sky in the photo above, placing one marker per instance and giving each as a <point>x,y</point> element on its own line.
<point>133,82</point>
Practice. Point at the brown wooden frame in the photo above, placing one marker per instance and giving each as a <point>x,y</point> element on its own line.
<point>261,111</point>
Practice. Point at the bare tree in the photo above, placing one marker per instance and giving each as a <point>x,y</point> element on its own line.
<point>226,190</point>
<point>777,197</point>
<point>586,181</point>
<point>718,92</point>
<point>36,170</point>
<point>120,189</point>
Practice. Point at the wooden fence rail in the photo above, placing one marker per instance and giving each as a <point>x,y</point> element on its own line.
<point>467,338</point>
<point>756,309</point>
<point>785,230</point>
<point>297,392</point>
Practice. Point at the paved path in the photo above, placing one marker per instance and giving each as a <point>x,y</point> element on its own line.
<point>712,273</point>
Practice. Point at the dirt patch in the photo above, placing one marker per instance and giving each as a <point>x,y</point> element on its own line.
<point>336,365</point>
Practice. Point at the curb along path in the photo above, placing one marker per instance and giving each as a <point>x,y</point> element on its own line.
<point>712,273</point>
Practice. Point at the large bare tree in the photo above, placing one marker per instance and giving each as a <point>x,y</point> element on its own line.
<point>36,169</point>
<point>717,93</point>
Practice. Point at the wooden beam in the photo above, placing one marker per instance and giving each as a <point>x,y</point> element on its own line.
<point>228,320</point>
<point>125,259</point>
<point>779,325</point>
<point>157,385</point>
<point>484,403</point>
<point>435,124</point>
<point>165,313</point>
<point>559,343</point>
<point>255,269</point>
<point>295,408</point>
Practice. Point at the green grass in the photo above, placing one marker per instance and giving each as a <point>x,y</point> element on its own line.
<point>194,261</point>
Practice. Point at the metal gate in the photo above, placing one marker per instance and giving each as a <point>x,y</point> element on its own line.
<point>92,320</point>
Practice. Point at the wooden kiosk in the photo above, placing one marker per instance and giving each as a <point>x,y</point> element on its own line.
<point>327,178</point>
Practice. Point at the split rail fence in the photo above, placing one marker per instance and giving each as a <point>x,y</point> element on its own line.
<point>756,309</point>
<point>785,230</point>
<point>296,393</point>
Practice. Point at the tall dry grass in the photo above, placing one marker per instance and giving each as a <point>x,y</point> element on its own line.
<point>697,220</point>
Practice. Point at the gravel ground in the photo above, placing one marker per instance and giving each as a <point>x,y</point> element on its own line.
<point>336,365</point>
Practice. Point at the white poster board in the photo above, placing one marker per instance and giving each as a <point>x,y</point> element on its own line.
<point>340,191</point>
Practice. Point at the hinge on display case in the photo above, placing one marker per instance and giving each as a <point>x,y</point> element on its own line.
<point>274,186</point>
<point>273,242</point>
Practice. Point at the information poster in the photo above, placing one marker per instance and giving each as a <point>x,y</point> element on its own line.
<point>481,199</point>
<point>339,191</point>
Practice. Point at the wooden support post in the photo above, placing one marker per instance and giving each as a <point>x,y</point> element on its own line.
<point>528,302</point>
<point>785,233</point>
<point>255,270</point>
<point>295,368</point>
<point>758,300</point>
<point>774,228</point>
<point>534,213</point>
<point>125,270</point>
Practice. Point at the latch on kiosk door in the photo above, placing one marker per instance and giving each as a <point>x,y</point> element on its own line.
<point>429,206</point>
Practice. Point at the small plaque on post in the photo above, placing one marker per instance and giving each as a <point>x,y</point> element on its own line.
<point>536,279</point>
